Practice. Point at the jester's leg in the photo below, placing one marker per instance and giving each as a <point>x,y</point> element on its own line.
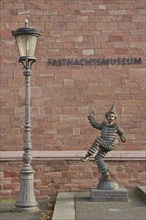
<point>92,150</point>
<point>100,162</point>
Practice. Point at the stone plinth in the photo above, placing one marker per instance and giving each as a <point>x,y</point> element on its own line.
<point>98,195</point>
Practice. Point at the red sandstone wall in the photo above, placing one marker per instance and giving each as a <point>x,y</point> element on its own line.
<point>61,96</point>
<point>60,176</point>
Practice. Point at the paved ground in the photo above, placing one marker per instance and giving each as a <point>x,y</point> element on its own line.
<point>77,206</point>
<point>134,209</point>
<point>8,211</point>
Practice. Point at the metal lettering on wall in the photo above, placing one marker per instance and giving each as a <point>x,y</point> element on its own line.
<point>94,61</point>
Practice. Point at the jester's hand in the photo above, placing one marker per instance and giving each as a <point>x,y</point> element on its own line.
<point>91,112</point>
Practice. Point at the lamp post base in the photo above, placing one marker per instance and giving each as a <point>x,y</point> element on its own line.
<point>26,209</point>
<point>26,200</point>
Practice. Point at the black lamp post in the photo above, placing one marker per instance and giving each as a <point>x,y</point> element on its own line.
<point>26,40</point>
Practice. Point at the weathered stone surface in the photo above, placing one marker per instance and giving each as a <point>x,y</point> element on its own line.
<point>120,194</point>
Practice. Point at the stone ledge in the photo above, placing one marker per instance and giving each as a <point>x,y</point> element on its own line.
<point>137,155</point>
<point>141,191</point>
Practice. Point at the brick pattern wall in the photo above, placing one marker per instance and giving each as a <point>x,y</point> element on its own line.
<point>61,176</point>
<point>61,96</point>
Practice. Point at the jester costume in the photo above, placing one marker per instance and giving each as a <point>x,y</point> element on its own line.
<point>105,142</point>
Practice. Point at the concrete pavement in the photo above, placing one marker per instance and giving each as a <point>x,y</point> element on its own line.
<point>77,206</point>
<point>8,211</point>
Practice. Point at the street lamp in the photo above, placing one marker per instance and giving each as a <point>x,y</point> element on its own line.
<point>26,40</point>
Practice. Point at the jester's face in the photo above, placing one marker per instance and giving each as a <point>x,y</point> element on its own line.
<point>110,117</point>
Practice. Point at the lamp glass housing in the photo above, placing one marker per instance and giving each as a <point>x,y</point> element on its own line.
<point>26,46</point>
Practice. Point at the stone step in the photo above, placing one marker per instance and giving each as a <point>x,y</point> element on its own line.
<point>141,191</point>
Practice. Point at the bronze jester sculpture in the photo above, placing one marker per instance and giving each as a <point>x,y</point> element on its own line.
<point>105,142</point>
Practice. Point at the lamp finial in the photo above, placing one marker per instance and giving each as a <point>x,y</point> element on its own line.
<point>26,22</point>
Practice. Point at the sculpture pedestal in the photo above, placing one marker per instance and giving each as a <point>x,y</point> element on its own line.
<point>99,195</point>
<point>108,190</point>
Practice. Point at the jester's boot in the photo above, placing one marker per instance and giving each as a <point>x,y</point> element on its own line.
<point>86,158</point>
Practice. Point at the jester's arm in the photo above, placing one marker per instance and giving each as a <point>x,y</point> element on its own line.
<point>121,134</point>
<point>92,121</point>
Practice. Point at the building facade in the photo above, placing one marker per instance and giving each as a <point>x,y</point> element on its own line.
<point>91,54</point>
